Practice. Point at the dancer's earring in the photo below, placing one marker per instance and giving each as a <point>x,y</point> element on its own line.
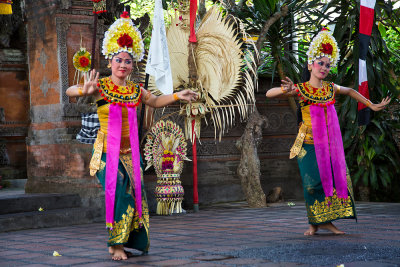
<point>109,65</point>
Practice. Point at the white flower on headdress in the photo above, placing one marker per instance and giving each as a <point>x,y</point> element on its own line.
<point>123,36</point>
<point>323,45</point>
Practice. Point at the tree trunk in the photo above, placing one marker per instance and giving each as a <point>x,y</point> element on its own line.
<point>249,166</point>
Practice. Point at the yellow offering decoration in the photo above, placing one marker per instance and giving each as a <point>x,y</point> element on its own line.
<point>5,7</point>
<point>82,61</point>
<point>56,254</point>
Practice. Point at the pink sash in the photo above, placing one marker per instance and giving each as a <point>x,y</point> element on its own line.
<point>112,161</point>
<point>329,150</point>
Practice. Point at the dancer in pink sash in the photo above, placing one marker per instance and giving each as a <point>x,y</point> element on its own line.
<point>319,147</point>
<point>116,156</point>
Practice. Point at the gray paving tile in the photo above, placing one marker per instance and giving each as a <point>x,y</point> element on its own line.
<point>222,235</point>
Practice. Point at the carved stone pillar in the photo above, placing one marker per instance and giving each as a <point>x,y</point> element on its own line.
<point>56,161</point>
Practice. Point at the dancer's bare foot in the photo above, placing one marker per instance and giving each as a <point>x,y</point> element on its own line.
<point>330,227</point>
<point>119,253</point>
<point>311,230</point>
<point>111,250</point>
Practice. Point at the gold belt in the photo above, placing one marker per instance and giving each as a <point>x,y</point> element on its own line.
<point>100,146</point>
<point>298,143</point>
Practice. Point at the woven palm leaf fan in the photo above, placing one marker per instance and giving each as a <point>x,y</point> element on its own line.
<point>223,79</point>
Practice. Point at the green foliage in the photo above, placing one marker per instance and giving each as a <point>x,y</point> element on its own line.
<point>392,39</point>
<point>139,7</point>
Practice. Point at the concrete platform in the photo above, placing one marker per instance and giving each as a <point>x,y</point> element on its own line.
<point>19,211</point>
<point>222,235</point>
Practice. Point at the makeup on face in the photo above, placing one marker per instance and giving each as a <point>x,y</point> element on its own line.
<point>321,67</point>
<point>122,64</point>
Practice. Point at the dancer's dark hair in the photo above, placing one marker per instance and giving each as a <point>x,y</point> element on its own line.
<point>305,75</point>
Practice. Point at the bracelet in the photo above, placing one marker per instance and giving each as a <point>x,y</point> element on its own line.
<point>338,88</point>
<point>368,104</point>
<point>283,91</point>
<point>175,95</point>
<point>80,91</point>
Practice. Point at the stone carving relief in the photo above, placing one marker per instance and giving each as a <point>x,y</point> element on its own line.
<point>65,4</point>
<point>4,159</point>
<point>43,58</point>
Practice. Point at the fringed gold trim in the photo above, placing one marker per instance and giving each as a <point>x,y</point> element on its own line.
<point>98,150</point>
<point>109,226</point>
<point>169,206</point>
<point>330,209</point>
<point>298,143</point>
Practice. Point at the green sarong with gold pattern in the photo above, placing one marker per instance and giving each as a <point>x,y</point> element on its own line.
<point>126,230</point>
<point>319,211</point>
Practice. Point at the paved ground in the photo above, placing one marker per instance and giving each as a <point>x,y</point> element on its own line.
<point>223,235</point>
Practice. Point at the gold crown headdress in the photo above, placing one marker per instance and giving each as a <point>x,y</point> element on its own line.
<point>323,45</point>
<point>123,36</point>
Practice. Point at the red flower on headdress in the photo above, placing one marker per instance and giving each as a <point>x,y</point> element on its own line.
<point>125,15</point>
<point>83,61</point>
<point>125,40</point>
<point>327,48</point>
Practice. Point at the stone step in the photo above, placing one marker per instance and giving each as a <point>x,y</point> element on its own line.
<point>15,183</point>
<point>49,218</point>
<point>21,202</point>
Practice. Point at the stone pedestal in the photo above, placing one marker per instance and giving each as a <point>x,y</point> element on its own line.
<point>56,162</point>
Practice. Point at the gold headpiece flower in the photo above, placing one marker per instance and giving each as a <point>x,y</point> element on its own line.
<point>324,45</point>
<point>123,36</point>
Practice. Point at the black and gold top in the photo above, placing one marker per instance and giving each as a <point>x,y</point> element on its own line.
<point>309,95</point>
<point>128,95</point>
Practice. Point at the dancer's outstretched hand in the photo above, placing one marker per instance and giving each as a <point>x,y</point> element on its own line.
<point>91,80</point>
<point>288,85</point>
<point>187,95</point>
<point>380,106</point>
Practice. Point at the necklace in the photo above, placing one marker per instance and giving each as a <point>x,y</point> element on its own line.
<point>128,95</point>
<point>322,96</point>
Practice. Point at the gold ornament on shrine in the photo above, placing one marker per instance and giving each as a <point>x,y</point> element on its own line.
<point>165,149</point>
<point>5,7</point>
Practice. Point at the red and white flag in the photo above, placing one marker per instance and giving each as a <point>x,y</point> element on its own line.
<point>365,26</point>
